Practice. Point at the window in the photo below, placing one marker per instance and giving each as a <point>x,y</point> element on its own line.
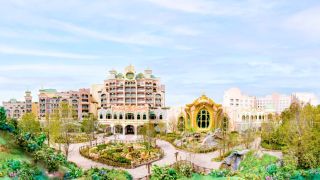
<point>120,116</point>
<point>129,116</point>
<point>203,119</point>
<point>160,117</point>
<point>115,116</point>
<point>138,116</point>
<point>101,117</point>
<point>108,116</point>
<point>144,117</point>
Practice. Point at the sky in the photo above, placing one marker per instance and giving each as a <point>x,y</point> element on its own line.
<point>194,46</point>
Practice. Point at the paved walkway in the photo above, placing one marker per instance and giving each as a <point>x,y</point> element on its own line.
<point>203,160</point>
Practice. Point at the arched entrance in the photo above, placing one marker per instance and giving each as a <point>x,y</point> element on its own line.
<point>118,129</point>
<point>129,129</point>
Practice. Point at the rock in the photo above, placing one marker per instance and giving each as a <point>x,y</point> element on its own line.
<point>178,142</point>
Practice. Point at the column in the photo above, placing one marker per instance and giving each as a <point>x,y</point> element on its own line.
<point>135,130</point>
<point>123,130</point>
<point>112,129</point>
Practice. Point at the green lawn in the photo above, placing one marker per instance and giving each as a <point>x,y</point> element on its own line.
<point>9,150</point>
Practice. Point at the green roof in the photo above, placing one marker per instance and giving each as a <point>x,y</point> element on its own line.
<point>48,90</point>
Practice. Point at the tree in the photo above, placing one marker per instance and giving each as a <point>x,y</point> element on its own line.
<point>297,135</point>
<point>89,126</point>
<point>29,123</point>
<point>173,124</point>
<point>148,132</point>
<point>3,117</point>
<point>53,127</point>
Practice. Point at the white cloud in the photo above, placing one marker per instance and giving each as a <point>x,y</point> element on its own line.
<point>42,53</point>
<point>137,38</point>
<point>207,7</point>
<point>198,6</point>
<point>306,22</point>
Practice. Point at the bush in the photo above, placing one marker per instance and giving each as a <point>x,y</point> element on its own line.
<point>164,173</point>
<point>220,173</point>
<point>101,174</point>
<point>16,169</point>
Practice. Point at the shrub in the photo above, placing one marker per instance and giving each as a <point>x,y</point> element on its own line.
<point>164,173</point>
<point>17,169</point>
<point>101,174</point>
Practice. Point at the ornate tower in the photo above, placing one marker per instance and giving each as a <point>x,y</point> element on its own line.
<point>28,100</point>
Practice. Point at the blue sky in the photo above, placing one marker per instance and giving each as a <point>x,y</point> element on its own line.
<point>260,46</point>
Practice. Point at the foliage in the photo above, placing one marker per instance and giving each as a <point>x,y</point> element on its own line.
<point>72,171</point>
<point>17,169</point>
<point>103,173</point>
<point>30,142</point>
<point>164,173</point>
<point>7,124</point>
<point>296,135</point>
<point>255,167</point>
<point>29,123</point>
<point>220,173</point>
<point>122,155</point>
<point>73,138</point>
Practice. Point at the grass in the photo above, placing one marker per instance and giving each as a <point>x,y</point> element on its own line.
<point>9,150</point>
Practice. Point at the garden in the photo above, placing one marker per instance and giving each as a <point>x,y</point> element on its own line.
<point>191,142</point>
<point>127,155</point>
<point>23,155</point>
<point>254,166</point>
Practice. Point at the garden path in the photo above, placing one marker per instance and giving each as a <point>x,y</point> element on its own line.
<point>203,160</point>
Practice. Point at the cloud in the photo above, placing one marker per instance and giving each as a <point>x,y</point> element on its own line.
<point>198,6</point>
<point>207,7</point>
<point>43,53</point>
<point>141,38</point>
<point>306,22</point>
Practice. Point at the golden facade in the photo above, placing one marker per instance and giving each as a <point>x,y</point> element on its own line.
<point>201,115</point>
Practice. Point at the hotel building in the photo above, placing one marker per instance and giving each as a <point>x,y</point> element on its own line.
<point>250,111</point>
<point>16,109</point>
<point>50,99</point>
<point>129,100</point>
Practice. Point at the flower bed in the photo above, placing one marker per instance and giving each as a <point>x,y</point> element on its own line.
<point>127,155</point>
<point>75,138</point>
<point>189,144</point>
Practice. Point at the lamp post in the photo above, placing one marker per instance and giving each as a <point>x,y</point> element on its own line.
<point>148,168</point>
<point>176,155</point>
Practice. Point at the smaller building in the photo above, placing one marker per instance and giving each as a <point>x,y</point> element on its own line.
<point>50,99</point>
<point>16,109</point>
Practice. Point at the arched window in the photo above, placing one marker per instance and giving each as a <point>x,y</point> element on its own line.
<point>129,116</point>
<point>138,116</point>
<point>144,117</point>
<point>243,117</point>
<point>120,116</point>
<point>101,116</point>
<point>108,116</point>
<point>152,115</point>
<point>115,116</point>
<point>160,117</point>
<point>203,119</point>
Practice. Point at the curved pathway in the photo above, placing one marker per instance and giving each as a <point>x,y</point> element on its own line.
<point>203,159</point>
